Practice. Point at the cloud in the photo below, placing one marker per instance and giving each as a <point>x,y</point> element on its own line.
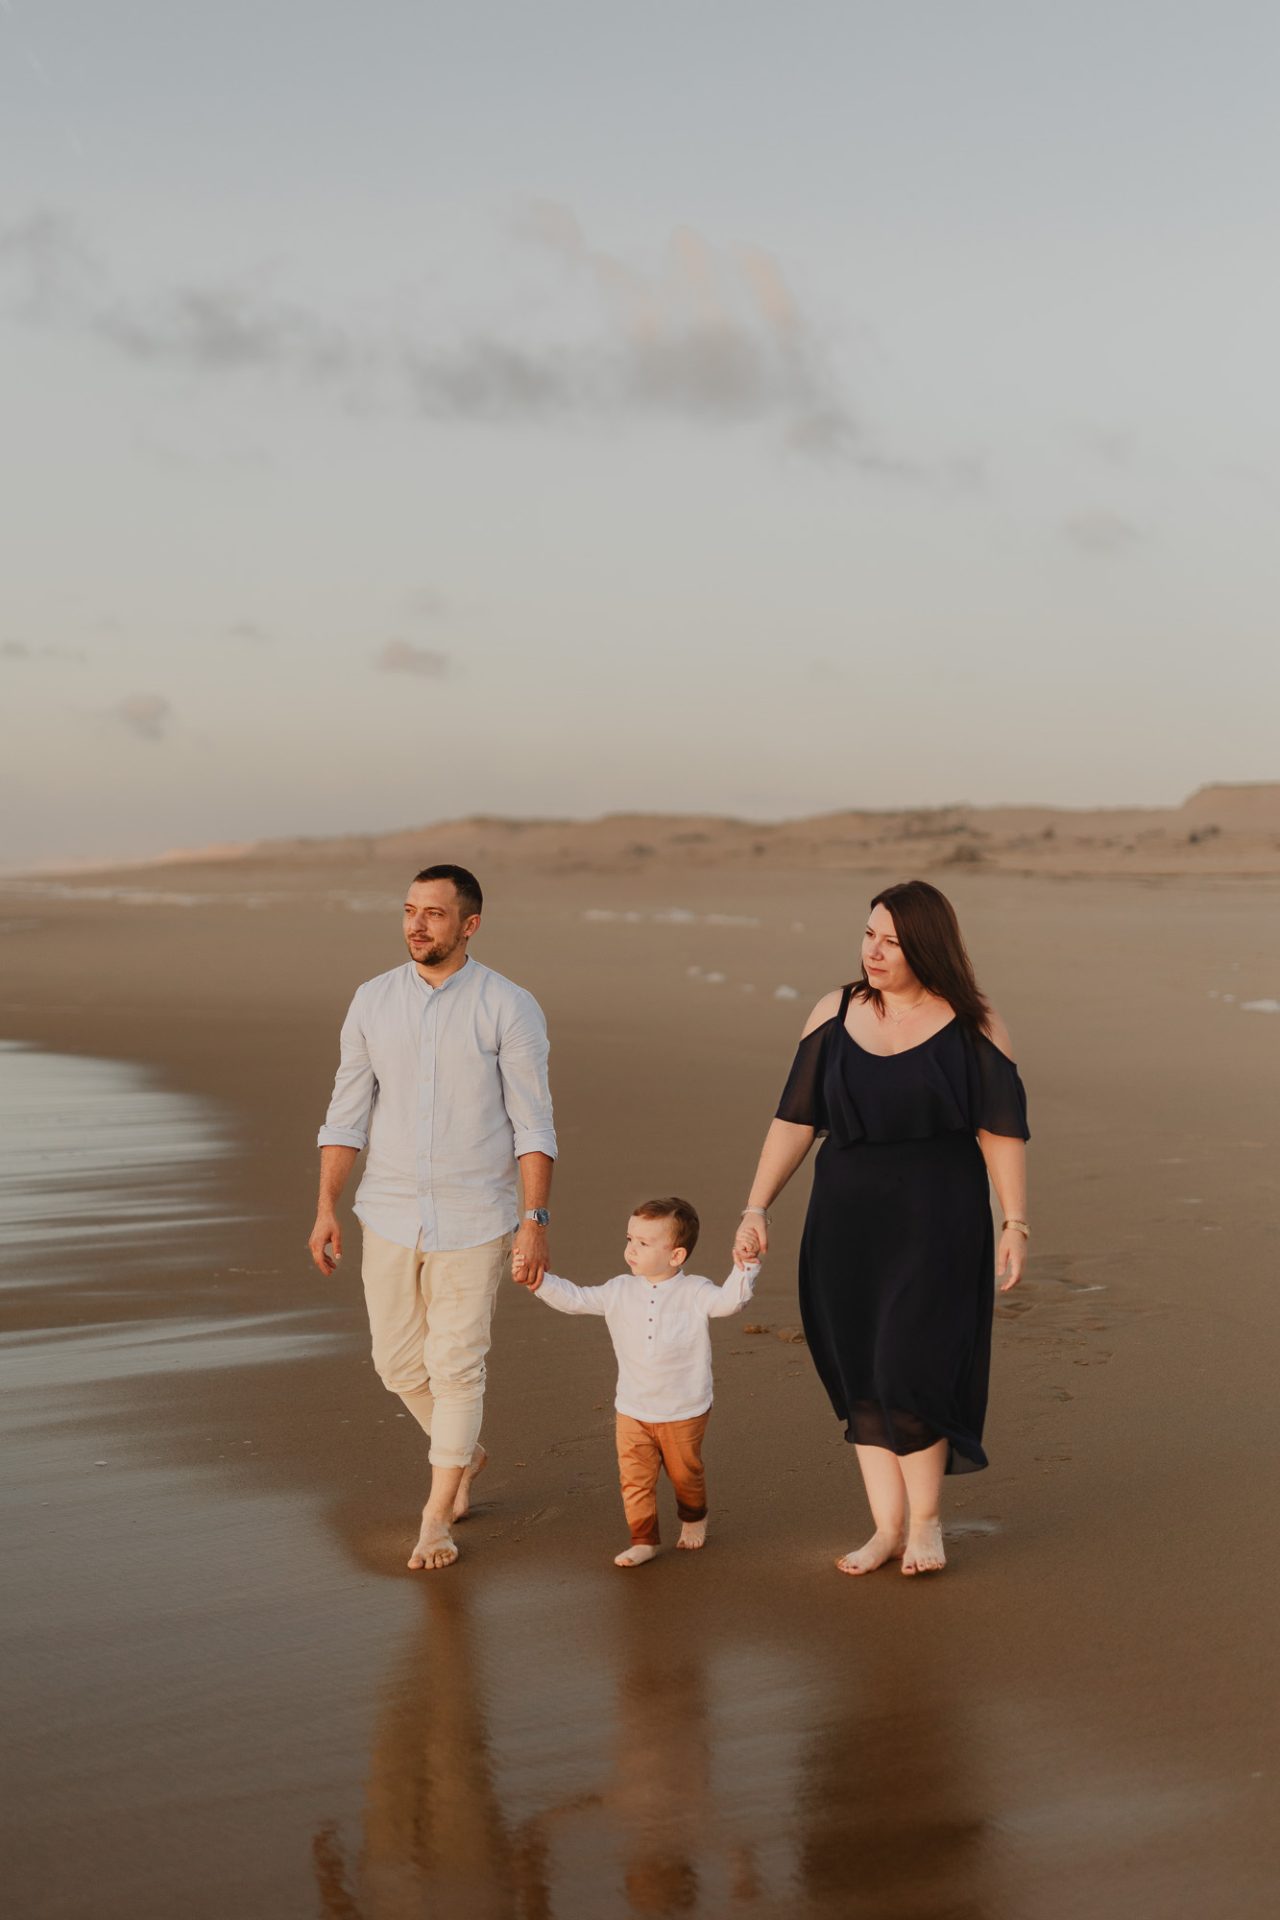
<point>399,656</point>
<point>228,329</point>
<point>148,716</point>
<point>425,603</point>
<point>19,650</point>
<point>1099,531</point>
<point>713,334</point>
<point>49,265</point>
<point>1109,446</point>
<point>710,335</point>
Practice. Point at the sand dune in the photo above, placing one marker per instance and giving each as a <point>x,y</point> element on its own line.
<point>1222,830</point>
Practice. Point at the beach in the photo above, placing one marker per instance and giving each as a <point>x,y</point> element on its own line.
<point>225,1693</point>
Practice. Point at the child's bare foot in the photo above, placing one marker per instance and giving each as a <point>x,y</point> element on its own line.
<point>462,1499</point>
<point>635,1556</point>
<point>878,1549</point>
<point>924,1548</point>
<point>434,1549</point>
<point>693,1533</point>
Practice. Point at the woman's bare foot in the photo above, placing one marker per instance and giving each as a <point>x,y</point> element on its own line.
<point>434,1549</point>
<point>880,1548</point>
<point>462,1498</point>
<point>924,1548</point>
<point>693,1533</point>
<point>635,1556</point>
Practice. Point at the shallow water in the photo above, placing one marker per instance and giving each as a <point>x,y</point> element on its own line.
<point>93,1153</point>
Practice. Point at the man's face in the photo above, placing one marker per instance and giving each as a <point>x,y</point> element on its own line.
<point>434,923</point>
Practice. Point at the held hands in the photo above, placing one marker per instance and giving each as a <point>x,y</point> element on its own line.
<point>751,1242</point>
<point>1011,1258</point>
<point>522,1271</point>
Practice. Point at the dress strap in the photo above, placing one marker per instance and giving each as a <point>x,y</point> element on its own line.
<point>844,1001</point>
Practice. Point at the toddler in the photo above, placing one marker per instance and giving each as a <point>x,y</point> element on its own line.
<point>657,1316</point>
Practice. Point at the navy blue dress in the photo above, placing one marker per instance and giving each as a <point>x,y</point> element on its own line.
<point>897,1261</point>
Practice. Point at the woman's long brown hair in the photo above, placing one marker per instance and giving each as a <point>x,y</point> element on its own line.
<point>928,932</point>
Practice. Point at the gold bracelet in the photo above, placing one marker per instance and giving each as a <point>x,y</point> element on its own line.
<point>1019,1226</point>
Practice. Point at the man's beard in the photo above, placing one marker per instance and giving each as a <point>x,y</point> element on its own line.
<point>434,954</point>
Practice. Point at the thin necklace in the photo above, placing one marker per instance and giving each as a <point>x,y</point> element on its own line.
<point>898,1018</point>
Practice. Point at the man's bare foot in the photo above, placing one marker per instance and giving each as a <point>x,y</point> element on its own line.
<point>635,1556</point>
<point>878,1549</point>
<point>924,1548</point>
<point>462,1499</point>
<point>434,1549</point>
<point>693,1533</point>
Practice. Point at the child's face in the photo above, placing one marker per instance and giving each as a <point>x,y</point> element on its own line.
<point>651,1248</point>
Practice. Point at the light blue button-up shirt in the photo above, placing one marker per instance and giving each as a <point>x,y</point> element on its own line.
<point>446,1086</point>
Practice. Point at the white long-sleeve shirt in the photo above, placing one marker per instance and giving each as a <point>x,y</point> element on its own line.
<point>447,1087</point>
<point>661,1334</point>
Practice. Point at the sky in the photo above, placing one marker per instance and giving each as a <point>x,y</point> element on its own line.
<point>416,410</point>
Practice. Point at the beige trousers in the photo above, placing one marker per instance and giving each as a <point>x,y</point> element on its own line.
<point>430,1316</point>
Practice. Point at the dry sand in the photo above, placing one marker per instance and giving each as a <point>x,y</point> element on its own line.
<point>226,1695</point>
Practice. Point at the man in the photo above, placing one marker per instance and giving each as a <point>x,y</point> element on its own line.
<point>443,1077</point>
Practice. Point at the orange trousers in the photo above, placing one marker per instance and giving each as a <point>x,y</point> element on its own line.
<point>645,1447</point>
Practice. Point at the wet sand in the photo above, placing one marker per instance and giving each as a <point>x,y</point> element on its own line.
<point>224,1693</point>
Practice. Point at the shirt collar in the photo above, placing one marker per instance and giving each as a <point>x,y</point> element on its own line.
<point>468,966</point>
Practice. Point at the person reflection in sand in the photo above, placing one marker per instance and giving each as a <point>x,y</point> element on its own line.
<point>655,1816</point>
<point>436,1838</point>
<point>894,1781</point>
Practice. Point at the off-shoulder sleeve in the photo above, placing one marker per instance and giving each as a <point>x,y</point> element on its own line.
<point>803,1099</point>
<point>1000,1099</point>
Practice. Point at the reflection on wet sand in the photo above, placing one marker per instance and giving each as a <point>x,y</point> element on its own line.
<point>664,1766</point>
<point>434,1838</point>
<point>893,1798</point>
<point>440,1835</point>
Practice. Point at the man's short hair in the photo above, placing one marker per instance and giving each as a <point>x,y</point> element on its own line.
<point>683,1217</point>
<point>470,898</point>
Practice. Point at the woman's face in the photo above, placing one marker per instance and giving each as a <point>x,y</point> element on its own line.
<point>883,961</point>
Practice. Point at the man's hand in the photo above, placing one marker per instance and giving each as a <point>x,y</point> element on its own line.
<point>520,1271</point>
<point>530,1248</point>
<point>325,1244</point>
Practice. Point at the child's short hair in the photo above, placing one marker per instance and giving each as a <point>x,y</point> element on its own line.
<point>684,1218</point>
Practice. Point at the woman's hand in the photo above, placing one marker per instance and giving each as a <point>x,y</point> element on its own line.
<point>751,1242</point>
<point>1011,1258</point>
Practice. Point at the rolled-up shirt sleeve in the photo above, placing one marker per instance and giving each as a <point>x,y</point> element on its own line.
<point>522,1061</point>
<point>355,1088</point>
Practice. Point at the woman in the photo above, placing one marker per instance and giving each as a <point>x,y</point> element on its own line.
<point>907,1071</point>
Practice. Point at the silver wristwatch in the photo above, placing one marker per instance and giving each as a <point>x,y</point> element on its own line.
<point>539,1216</point>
